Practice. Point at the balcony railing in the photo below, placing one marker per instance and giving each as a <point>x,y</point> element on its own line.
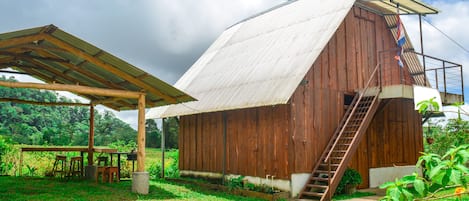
<point>446,76</point>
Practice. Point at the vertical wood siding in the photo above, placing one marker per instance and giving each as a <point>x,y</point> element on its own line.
<point>343,67</point>
<point>257,142</point>
<point>393,138</point>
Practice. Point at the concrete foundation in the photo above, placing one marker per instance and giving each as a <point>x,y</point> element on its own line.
<point>90,172</point>
<point>140,182</point>
<point>298,180</point>
<point>379,176</point>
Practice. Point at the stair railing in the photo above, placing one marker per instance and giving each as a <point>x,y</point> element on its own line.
<point>363,93</point>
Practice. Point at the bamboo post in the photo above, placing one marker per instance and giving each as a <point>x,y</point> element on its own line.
<point>141,134</point>
<point>21,163</point>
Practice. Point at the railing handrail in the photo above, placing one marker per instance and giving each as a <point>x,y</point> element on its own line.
<point>353,110</point>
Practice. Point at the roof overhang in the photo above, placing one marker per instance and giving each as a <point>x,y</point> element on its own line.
<point>56,57</point>
<point>389,7</point>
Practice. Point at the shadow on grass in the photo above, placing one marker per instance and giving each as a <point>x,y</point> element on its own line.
<point>210,191</point>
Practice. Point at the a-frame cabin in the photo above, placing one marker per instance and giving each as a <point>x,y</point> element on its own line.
<point>301,92</point>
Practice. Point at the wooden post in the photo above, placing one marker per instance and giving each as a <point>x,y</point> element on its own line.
<point>91,136</point>
<point>163,130</point>
<point>21,163</point>
<point>141,134</point>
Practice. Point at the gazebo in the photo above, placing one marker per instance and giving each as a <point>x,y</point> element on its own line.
<point>67,63</point>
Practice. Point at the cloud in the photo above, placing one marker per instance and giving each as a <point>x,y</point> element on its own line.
<point>163,37</point>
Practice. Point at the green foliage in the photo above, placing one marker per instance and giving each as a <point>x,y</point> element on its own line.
<point>439,173</point>
<point>427,106</point>
<point>6,146</point>
<point>351,176</point>
<point>152,134</point>
<point>123,146</point>
<point>171,132</point>
<point>236,183</point>
<point>171,165</point>
<point>55,125</point>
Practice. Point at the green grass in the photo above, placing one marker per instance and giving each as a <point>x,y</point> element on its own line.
<point>43,161</point>
<point>357,194</point>
<point>50,189</point>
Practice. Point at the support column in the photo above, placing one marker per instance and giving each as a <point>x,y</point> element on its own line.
<point>90,170</point>
<point>163,143</point>
<point>140,179</point>
<point>91,136</point>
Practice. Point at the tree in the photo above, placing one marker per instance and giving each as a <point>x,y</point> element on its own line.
<point>152,134</point>
<point>55,125</point>
<point>171,130</point>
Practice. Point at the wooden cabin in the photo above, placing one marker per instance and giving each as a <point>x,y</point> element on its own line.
<point>280,91</point>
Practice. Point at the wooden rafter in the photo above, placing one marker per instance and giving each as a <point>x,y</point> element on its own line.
<point>108,67</point>
<point>41,103</point>
<point>21,40</point>
<point>75,89</point>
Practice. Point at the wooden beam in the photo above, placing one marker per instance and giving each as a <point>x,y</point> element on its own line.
<point>42,103</point>
<point>74,89</point>
<point>21,40</point>
<point>108,67</point>
<point>141,134</point>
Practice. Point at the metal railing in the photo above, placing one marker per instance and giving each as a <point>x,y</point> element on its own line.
<point>443,75</point>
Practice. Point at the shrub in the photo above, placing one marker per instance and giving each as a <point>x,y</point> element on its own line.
<point>171,166</point>
<point>351,176</point>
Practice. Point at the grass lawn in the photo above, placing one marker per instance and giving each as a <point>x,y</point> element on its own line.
<point>51,189</point>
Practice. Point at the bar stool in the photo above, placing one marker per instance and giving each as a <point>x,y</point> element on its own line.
<point>59,165</point>
<point>111,172</point>
<point>76,166</point>
<point>102,168</point>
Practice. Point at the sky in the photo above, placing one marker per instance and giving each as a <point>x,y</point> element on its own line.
<point>165,37</point>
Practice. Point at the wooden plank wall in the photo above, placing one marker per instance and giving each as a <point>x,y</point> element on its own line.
<point>257,142</point>
<point>394,138</point>
<point>343,67</point>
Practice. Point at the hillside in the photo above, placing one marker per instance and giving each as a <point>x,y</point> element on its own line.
<point>56,125</point>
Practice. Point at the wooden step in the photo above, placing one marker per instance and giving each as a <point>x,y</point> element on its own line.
<point>317,186</point>
<point>319,179</point>
<point>313,194</point>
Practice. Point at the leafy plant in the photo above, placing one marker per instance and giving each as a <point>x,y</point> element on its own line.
<point>171,166</point>
<point>439,173</point>
<point>236,182</point>
<point>31,170</point>
<point>351,176</point>
<point>427,106</point>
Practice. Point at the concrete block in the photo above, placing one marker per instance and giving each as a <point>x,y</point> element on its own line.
<point>90,172</point>
<point>140,182</point>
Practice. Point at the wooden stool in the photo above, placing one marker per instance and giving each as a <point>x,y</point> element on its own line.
<point>59,165</point>
<point>76,166</point>
<point>102,168</point>
<point>111,172</point>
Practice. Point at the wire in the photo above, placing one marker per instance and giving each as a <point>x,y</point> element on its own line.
<point>446,35</point>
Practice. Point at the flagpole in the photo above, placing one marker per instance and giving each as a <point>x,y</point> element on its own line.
<point>401,51</point>
<point>421,51</point>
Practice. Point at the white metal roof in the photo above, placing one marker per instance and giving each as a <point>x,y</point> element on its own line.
<point>260,61</point>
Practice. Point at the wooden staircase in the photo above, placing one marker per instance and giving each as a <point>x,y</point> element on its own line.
<point>329,170</point>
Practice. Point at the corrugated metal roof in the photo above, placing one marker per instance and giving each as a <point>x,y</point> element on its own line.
<point>406,7</point>
<point>410,58</point>
<point>259,61</point>
<point>52,55</point>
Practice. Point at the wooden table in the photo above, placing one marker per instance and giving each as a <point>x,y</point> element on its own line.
<point>82,150</point>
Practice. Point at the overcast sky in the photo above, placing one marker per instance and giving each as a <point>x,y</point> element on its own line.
<point>165,37</point>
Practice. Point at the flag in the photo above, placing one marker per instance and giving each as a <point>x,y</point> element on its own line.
<point>400,39</point>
